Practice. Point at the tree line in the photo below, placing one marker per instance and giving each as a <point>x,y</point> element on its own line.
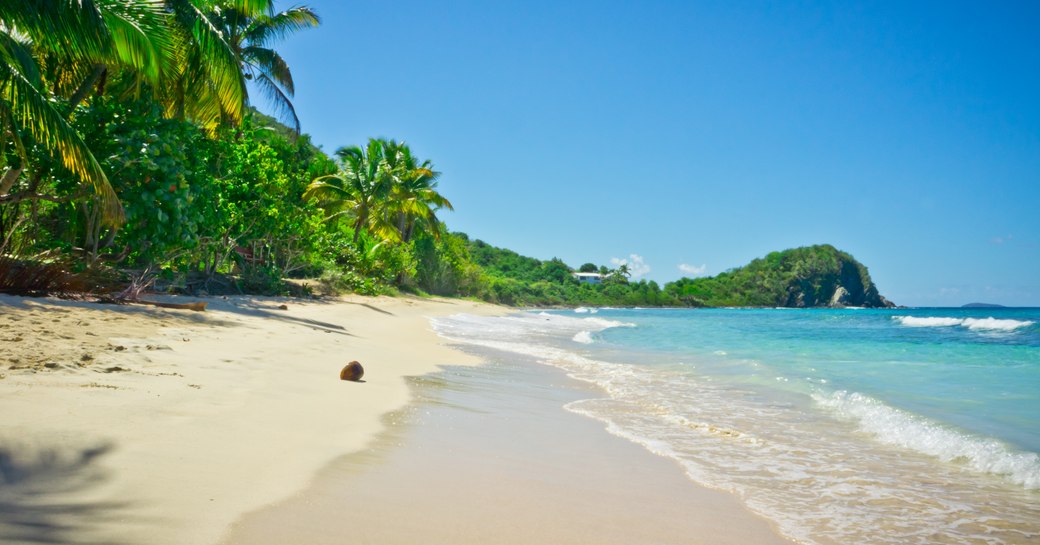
<point>129,143</point>
<point>130,153</point>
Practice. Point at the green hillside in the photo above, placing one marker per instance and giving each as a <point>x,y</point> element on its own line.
<point>811,276</point>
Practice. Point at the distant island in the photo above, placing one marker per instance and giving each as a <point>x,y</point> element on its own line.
<point>982,305</point>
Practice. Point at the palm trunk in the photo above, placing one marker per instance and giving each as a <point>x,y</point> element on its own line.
<point>10,177</point>
<point>85,87</point>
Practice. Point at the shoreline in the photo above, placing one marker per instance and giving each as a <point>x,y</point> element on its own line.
<point>490,454</point>
<point>131,424</point>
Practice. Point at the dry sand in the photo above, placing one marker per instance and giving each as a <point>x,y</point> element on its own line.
<point>131,424</point>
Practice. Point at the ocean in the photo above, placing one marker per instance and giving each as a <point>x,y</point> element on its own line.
<point>896,426</point>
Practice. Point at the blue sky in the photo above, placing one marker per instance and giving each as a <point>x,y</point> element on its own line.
<point>705,134</point>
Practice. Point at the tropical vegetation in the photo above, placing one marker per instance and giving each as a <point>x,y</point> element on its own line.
<point>811,276</point>
<point>131,152</point>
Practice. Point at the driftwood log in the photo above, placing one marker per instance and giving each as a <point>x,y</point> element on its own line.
<point>198,307</point>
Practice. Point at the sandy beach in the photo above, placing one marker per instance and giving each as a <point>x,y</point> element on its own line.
<point>132,424</point>
<point>487,454</point>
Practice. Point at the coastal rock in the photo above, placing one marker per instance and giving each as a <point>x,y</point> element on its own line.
<point>840,298</point>
<point>353,371</point>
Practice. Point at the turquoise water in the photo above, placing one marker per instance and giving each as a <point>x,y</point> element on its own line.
<point>841,426</point>
<point>975,370</point>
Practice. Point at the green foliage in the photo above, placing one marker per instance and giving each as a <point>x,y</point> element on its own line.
<point>147,101</point>
<point>512,279</point>
<point>505,263</point>
<point>160,169</point>
<point>444,266</point>
<point>800,277</point>
<point>336,281</point>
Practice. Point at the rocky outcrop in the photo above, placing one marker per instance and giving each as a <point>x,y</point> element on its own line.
<point>811,276</point>
<point>840,297</point>
<point>830,278</point>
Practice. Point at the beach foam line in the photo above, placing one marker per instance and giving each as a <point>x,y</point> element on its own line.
<point>974,324</point>
<point>896,427</point>
<point>521,325</point>
<point>583,337</point>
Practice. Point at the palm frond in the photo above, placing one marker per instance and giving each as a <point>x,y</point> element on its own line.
<point>271,64</point>
<point>325,187</point>
<point>141,36</point>
<point>72,27</point>
<point>282,105</point>
<point>348,153</point>
<point>16,52</point>
<point>251,7</point>
<point>213,58</point>
<point>29,110</point>
<point>268,29</point>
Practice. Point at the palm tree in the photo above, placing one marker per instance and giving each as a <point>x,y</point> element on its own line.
<point>361,189</point>
<point>207,84</point>
<point>249,36</point>
<point>415,195</point>
<point>27,114</point>
<point>622,273</point>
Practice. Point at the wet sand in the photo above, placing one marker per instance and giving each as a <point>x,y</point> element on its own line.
<point>488,454</point>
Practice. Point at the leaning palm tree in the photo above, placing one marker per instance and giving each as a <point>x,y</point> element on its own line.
<point>250,35</point>
<point>362,190</point>
<point>27,114</point>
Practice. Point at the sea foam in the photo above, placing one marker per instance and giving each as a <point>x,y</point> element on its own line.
<point>974,324</point>
<point>896,427</point>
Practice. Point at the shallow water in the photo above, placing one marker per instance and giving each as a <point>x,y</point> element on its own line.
<point>842,426</point>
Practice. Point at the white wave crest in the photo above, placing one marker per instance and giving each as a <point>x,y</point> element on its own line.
<point>581,310</point>
<point>974,324</point>
<point>583,337</point>
<point>995,324</point>
<point>915,321</point>
<point>896,427</point>
<point>602,323</point>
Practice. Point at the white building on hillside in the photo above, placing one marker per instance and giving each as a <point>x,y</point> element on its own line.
<point>588,278</point>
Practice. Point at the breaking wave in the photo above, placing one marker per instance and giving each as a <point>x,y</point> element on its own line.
<point>974,324</point>
<point>895,427</point>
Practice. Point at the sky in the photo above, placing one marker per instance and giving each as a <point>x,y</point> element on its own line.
<point>690,137</point>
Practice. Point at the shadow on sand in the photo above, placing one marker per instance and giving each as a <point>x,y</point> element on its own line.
<point>38,490</point>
